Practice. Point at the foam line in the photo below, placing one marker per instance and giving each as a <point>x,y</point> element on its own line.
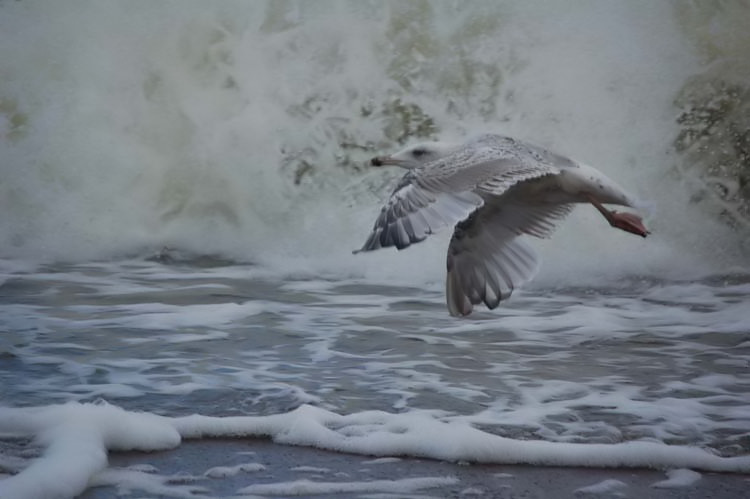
<point>77,437</point>
<point>413,434</point>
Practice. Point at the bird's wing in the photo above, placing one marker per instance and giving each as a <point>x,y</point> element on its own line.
<point>416,210</point>
<point>487,259</point>
<point>489,167</point>
<point>446,191</point>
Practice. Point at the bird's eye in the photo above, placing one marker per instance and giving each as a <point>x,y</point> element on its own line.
<point>418,153</point>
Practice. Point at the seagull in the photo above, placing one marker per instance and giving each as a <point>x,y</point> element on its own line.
<point>492,190</point>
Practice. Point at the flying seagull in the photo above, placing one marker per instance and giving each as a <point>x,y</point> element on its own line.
<point>492,190</point>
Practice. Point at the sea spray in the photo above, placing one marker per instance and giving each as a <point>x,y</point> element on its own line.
<point>243,129</point>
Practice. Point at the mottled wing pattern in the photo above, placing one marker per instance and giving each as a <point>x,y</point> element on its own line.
<point>519,162</point>
<point>448,190</point>
<point>416,210</point>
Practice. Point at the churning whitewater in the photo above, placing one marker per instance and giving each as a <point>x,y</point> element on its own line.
<point>181,314</point>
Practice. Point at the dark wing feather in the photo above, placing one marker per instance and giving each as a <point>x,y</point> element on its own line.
<point>414,212</point>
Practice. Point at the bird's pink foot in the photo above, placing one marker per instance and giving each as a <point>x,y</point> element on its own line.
<point>629,222</point>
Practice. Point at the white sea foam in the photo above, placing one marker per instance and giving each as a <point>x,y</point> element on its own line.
<point>77,438</point>
<point>610,487</point>
<point>128,480</point>
<point>225,471</point>
<point>311,469</point>
<point>677,479</point>
<point>161,316</point>
<point>87,431</point>
<point>542,363</point>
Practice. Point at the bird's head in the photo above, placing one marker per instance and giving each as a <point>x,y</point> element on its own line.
<point>416,155</point>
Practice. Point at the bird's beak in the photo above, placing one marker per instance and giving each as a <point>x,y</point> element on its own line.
<point>385,161</point>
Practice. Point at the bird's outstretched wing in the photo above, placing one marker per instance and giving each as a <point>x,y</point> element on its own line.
<point>487,257</point>
<point>416,210</point>
<point>448,190</point>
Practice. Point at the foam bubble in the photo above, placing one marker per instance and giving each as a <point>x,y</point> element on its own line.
<point>225,471</point>
<point>609,487</point>
<point>677,479</point>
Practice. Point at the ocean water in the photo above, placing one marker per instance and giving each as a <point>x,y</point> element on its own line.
<point>182,185</point>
